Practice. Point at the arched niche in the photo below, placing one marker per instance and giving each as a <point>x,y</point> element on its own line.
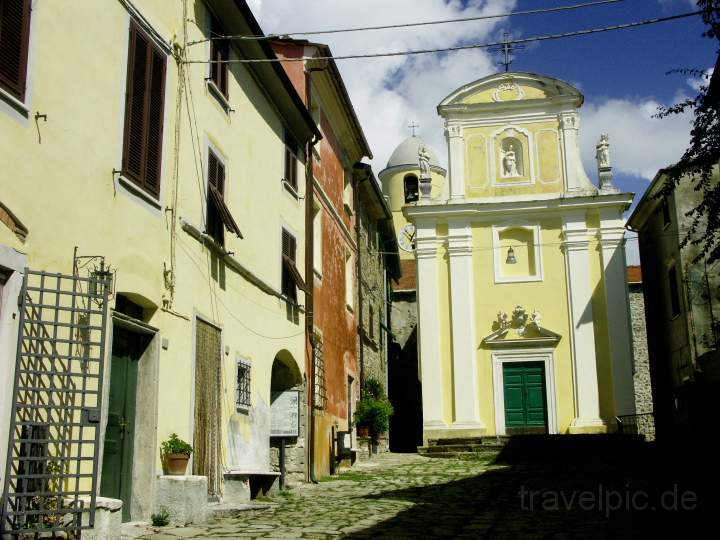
<point>517,253</point>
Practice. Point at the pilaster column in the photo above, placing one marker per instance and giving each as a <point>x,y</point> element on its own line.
<point>612,240</point>
<point>570,127</point>
<point>429,326</point>
<point>462,310</point>
<point>577,260</point>
<point>456,165</point>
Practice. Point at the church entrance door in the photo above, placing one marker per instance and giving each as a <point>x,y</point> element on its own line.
<point>525,397</point>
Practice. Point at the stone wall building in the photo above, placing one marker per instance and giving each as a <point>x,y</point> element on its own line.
<point>641,366</point>
<point>682,311</point>
<point>378,262</point>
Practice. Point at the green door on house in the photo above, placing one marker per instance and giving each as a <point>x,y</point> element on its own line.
<point>525,397</point>
<point>116,481</point>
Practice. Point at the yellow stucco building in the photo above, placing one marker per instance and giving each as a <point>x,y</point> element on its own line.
<point>522,306</point>
<point>119,139</point>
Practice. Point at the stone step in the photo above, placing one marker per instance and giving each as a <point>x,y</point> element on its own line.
<point>446,442</point>
<point>459,455</point>
<point>458,448</point>
<point>229,510</point>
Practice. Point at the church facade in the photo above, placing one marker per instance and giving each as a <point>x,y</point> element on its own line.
<point>522,298</point>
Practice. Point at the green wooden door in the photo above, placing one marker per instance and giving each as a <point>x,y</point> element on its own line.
<point>116,481</point>
<point>525,397</point>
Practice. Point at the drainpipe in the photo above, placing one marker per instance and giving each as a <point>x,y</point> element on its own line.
<point>309,280</point>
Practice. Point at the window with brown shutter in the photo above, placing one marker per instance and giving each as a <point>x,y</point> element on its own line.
<point>291,278</point>
<point>14,39</point>
<point>219,217</point>
<point>291,150</point>
<point>219,52</point>
<point>144,112</point>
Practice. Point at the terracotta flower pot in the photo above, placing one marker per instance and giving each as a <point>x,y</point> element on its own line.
<point>363,431</point>
<point>176,464</point>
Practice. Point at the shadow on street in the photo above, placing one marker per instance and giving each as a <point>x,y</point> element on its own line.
<point>565,487</point>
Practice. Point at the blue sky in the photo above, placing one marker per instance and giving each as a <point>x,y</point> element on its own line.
<point>624,63</point>
<point>622,73</point>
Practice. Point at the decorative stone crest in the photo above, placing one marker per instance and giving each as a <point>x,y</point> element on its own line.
<point>569,121</point>
<point>501,92</point>
<point>521,328</point>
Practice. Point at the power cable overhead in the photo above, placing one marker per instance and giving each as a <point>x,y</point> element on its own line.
<point>278,35</point>
<point>549,37</point>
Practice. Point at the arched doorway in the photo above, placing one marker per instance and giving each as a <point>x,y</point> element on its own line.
<point>287,397</point>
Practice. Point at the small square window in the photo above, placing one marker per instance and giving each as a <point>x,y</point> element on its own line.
<point>242,391</point>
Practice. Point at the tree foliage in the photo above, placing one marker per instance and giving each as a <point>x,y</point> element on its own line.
<point>698,163</point>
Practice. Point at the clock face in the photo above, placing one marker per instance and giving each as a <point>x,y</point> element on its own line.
<point>406,238</point>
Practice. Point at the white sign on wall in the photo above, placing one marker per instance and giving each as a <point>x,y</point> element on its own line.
<point>285,414</point>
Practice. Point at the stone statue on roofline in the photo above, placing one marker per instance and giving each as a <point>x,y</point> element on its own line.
<point>424,161</point>
<point>605,174</point>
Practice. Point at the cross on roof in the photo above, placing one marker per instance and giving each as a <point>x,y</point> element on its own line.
<point>413,126</point>
<point>507,49</point>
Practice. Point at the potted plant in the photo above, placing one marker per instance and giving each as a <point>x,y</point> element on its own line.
<point>372,416</point>
<point>175,454</point>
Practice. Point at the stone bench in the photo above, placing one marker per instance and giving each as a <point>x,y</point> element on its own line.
<point>241,486</point>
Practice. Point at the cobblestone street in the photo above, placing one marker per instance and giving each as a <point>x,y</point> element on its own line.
<point>409,496</point>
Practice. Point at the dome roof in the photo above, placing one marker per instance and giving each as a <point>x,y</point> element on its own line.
<point>407,153</point>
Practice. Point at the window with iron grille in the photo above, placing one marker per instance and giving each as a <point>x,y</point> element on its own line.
<point>242,392</point>
<point>144,112</point>
<point>320,390</point>
<point>219,54</point>
<point>14,39</point>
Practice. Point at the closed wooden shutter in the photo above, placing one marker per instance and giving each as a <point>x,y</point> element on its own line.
<point>14,39</point>
<point>291,161</point>
<point>219,52</point>
<point>144,112</point>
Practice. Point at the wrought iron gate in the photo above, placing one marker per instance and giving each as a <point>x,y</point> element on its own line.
<point>50,478</point>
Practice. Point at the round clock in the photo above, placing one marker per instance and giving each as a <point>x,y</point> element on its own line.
<point>406,239</point>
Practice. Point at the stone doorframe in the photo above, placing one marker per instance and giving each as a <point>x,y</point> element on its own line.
<point>547,357</point>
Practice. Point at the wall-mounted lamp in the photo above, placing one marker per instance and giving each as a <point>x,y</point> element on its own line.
<point>511,256</point>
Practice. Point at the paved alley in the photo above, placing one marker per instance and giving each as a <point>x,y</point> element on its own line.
<point>602,492</point>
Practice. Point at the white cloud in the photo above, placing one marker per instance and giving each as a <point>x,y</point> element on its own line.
<point>696,83</point>
<point>640,143</point>
<point>388,93</point>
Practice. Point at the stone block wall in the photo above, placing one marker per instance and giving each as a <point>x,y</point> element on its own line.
<point>641,371</point>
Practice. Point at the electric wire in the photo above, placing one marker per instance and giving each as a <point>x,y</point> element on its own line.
<point>276,35</point>
<point>548,37</point>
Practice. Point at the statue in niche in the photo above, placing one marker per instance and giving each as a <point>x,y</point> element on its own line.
<point>424,161</point>
<point>602,153</point>
<point>511,153</point>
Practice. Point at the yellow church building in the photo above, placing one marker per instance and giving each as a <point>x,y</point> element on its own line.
<point>522,306</point>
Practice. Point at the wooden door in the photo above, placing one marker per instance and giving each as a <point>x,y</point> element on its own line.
<point>116,480</point>
<point>525,397</point>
